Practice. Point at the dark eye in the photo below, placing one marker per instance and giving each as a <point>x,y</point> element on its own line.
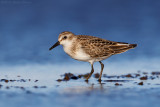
<point>65,37</point>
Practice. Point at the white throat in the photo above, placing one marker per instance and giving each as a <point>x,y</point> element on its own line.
<point>67,45</point>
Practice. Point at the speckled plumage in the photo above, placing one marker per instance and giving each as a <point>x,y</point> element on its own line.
<point>89,48</point>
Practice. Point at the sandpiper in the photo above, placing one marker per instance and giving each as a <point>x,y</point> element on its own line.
<point>90,48</point>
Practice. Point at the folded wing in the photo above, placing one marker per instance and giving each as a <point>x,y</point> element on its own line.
<point>97,47</point>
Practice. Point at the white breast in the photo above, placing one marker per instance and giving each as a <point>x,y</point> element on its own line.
<point>79,54</point>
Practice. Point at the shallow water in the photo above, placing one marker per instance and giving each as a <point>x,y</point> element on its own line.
<point>36,85</point>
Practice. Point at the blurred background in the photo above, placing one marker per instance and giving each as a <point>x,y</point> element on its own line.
<point>28,28</point>
<point>28,70</point>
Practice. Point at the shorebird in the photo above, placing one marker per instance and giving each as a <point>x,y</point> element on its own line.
<point>90,48</point>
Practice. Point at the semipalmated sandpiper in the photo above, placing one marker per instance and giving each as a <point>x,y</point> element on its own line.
<point>90,48</point>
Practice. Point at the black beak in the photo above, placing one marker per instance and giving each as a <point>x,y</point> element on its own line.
<point>56,44</point>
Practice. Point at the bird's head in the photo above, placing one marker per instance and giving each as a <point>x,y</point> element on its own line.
<point>63,39</point>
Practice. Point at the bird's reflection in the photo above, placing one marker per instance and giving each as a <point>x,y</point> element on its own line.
<point>95,85</point>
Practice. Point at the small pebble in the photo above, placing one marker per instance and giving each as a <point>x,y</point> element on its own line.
<point>141,83</point>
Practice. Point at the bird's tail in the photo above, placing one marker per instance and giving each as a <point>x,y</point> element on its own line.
<point>122,47</point>
<point>133,45</point>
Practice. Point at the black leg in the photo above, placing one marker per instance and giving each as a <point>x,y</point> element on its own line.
<point>102,66</point>
<point>91,72</point>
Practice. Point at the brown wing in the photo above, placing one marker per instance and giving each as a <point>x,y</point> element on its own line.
<point>97,47</point>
